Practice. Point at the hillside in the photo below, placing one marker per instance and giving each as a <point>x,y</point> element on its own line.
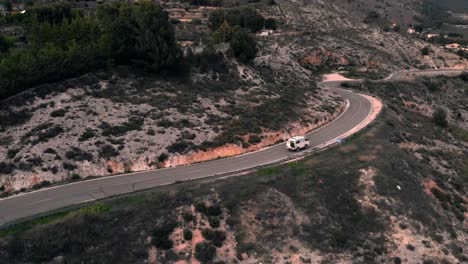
<point>396,193</point>
<point>90,90</point>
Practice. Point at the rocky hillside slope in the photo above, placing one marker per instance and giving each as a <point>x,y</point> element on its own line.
<point>396,193</point>
<point>119,121</point>
<point>333,34</point>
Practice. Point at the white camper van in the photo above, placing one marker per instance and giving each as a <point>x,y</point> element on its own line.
<point>297,143</point>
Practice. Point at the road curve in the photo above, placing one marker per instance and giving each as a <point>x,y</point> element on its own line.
<point>42,201</point>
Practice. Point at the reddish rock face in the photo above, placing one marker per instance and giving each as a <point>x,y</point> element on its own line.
<point>325,58</point>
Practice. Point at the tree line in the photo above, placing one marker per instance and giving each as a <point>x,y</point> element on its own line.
<point>61,42</point>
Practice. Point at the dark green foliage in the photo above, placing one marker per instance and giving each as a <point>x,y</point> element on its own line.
<point>208,233</point>
<point>187,234</point>
<point>75,177</point>
<point>62,43</point>
<point>410,247</point>
<point>372,17</point>
<point>108,151</point>
<point>77,154</point>
<point>434,16</point>
<point>425,51</point>
<point>178,147</point>
<point>188,217</point>
<point>163,157</point>
<point>254,139</point>
<point>205,252</point>
<point>161,235</point>
<point>133,123</point>
<point>87,135</point>
<point>12,153</point>
<point>58,113</point>
<point>218,238</point>
<point>42,133</point>
<point>439,117</point>
<point>214,210</point>
<point>50,151</point>
<point>246,18</point>
<point>69,166</point>
<point>243,46</point>
<point>200,207</point>
<point>6,168</point>
<point>5,44</point>
<point>214,222</point>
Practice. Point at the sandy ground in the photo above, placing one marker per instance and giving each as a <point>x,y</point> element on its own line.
<point>334,77</point>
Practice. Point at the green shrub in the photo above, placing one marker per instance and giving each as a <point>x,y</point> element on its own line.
<point>410,247</point>
<point>200,207</point>
<point>214,210</point>
<point>439,117</point>
<point>178,147</point>
<point>188,217</point>
<point>163,157</point>
<point>208,233</point>
<point>205,252</point>
<point>12,153</point>
<point>87,135</point>
<point>187,234</point>
<point>243,46</point>
<point>161,235</point>
<point>214,222</point>
<point>69,166</point>
<point>108,151</point>
<point>6,168</point>
<point>218,238</point>
<point>425,51</point>
<point>77,154</point>
<point>58,113</point>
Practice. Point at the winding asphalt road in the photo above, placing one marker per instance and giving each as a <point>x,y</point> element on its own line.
<point>42,201</point>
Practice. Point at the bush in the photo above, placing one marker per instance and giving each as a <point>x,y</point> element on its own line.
<point>218,238</point>
<point>243,46</point>
<point>214,210</point>
<point>161,235</point>
<point>68,166</point>
<point>163,157</point>
<point>6,168</point>
<point>77,154</point>
<point>87,135</point>
<point>214,222</point>
<point>178,147</point>
<point>205,252</point>
<point>187,234</point>
<point>439,117</point>
<point>12,153</point>
<point>425,51</point>
<point>208,233</point>
<point>108,151</point>
<point>410,247</point>
<point>58,113</point>
<point>200,207</point>
<point>188,217</point>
